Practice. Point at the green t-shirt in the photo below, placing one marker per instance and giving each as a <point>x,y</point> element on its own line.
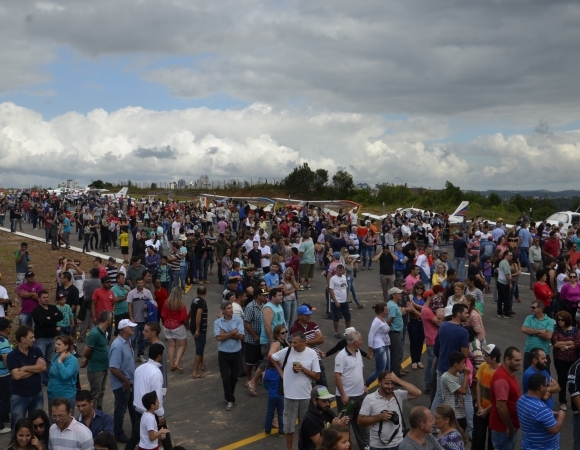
<point>534,341</point>
<point>120,307</point>
<point>307,249</point>
<point>503,270</point>
<point>97,340</point>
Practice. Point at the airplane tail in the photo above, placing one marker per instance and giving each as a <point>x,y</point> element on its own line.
<point>122,192</point>
<point>461,210</point>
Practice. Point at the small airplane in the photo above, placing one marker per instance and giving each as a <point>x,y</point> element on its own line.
<point>297,205</point>
<point>121,193</point>
<point>455,218</point>
<point>221,200</point>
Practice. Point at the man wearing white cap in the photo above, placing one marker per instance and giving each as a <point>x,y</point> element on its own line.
<point>122,368</point>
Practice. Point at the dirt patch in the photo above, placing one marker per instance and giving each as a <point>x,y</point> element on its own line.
<point>43,260</point>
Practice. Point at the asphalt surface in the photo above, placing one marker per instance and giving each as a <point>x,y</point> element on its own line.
<point>195,409</point>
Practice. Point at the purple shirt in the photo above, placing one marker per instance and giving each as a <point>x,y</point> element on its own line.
<point>28,304</point>
<point>570,294</point>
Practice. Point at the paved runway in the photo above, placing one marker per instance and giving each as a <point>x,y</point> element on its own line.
<point>195,409</point>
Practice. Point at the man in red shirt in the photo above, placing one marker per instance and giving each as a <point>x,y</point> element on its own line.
<point>103,299</point>
<point>552,246</point>
<point>504,393</point>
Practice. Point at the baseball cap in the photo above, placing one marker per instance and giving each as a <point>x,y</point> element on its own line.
<point>428,293</point>
<point>4,323</point>
<point>321,392</point>
<point>492,350</point>
<point>29,274</point>
<point>478,233</point>
<point>443,250</point>
<point>126,323</point>
<point>395,290</point>
<point>303,309</point>
<point>448,310</point>
<point>112,259</point>
<point>60,295</point>
<point>349,330</point>
<point>336,255</point>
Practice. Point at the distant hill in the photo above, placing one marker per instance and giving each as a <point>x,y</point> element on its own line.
<point>570,193</point>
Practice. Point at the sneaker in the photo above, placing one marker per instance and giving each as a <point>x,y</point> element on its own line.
<point>230,406</point>
<point>268,433</point>
<point>500,315</point>
<point>301,288</point>
<point>338,336</point>
<point>563,407</point>
<point>281,434</point>
<point>507,317</point>
<point>7,430</point>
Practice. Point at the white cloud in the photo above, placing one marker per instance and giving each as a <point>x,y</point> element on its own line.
<point>261,141</point>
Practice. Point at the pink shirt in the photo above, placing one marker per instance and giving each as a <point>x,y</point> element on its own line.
<point>410,282</point>
<point>429,327</point>
<point>28,304</point>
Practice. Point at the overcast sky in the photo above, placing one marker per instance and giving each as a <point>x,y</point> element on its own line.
<point>482,93</point>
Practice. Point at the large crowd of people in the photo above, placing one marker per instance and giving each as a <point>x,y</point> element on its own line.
<point>108,320</point>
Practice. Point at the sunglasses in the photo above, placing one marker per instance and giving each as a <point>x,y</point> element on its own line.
<point>533,307</point>
<point>262,284</point>
<point>283,332</point>
<point>559,319</point>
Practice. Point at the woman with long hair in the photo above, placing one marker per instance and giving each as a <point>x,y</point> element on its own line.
<point>226,266</point>
<point>289,290</point>
<point>22,436</point>
<point>439,275</point>
<point>502,245</point>
<point>415,326</point>
<point>451,435</point>
<point>379,342</point>
<point>565,351</point>
<point>475,320</point>
<point>175,323</point>
<point>472,289</point>
<point>41,428</point>
<point>64,371</point>
<point>543,291</point>
<point>335,437</point>
<point>561,279</point>
<point>570,294</point>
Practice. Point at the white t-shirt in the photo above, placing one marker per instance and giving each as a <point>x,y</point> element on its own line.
<point>148,423</point>
<point>423,263</point>
<point>3,294</point>
<point>351,369</point>
<point>265,251</point>
<point>297,386</point>
<point>338,285</point>
<point>238,310</point>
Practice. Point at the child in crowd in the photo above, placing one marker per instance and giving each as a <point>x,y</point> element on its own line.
<point>148,431</point>
<point>67,322</point>
<point>275,401</point>
<point>164,274</point>
<point>487,270</point>
<point>452,390</point>
<point>123,269</point>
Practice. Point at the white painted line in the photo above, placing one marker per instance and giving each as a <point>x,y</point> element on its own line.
<point>74,249</point>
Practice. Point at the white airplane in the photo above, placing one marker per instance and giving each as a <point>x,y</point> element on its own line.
<point>347,205</point>
<point>222,200</point>
<point>456,217</point>
<point>122,192</point>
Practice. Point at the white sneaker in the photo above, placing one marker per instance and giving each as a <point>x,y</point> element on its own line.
<point>562,407</point>
<point>5,430</point>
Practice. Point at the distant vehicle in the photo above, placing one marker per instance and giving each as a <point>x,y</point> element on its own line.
<point>456,217</point>
<point>568,218</point>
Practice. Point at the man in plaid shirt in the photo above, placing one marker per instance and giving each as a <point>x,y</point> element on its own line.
<point>253,328</point>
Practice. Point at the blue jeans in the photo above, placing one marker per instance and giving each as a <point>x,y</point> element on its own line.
<point>368,252</point>
<point>276,403</point>
<point>21,406</point>
<point>468,400</point>
<point>289,308</point>
<point>428,369</point>
<point>26,319</point>
<point>183,275</point>
<point>382,362</point>
<point>203,266</point>
<point>139,339</point>
<point>502,442</point>
<point>459,266</point>
<point>352,289</point>
<point>47,347</point>
<point>576,433</point>
<point>123,400</point>
<point>175,275</point>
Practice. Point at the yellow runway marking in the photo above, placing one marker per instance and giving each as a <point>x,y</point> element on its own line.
<point>262,435</point>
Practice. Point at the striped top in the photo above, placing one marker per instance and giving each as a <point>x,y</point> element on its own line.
<point>535,417</point>
<point>76,436</point>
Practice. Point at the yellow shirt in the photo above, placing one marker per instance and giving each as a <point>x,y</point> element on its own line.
<point>124,239</point>
<point>437,279</point>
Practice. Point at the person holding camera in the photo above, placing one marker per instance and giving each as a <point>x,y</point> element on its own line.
<point>383,411</point>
